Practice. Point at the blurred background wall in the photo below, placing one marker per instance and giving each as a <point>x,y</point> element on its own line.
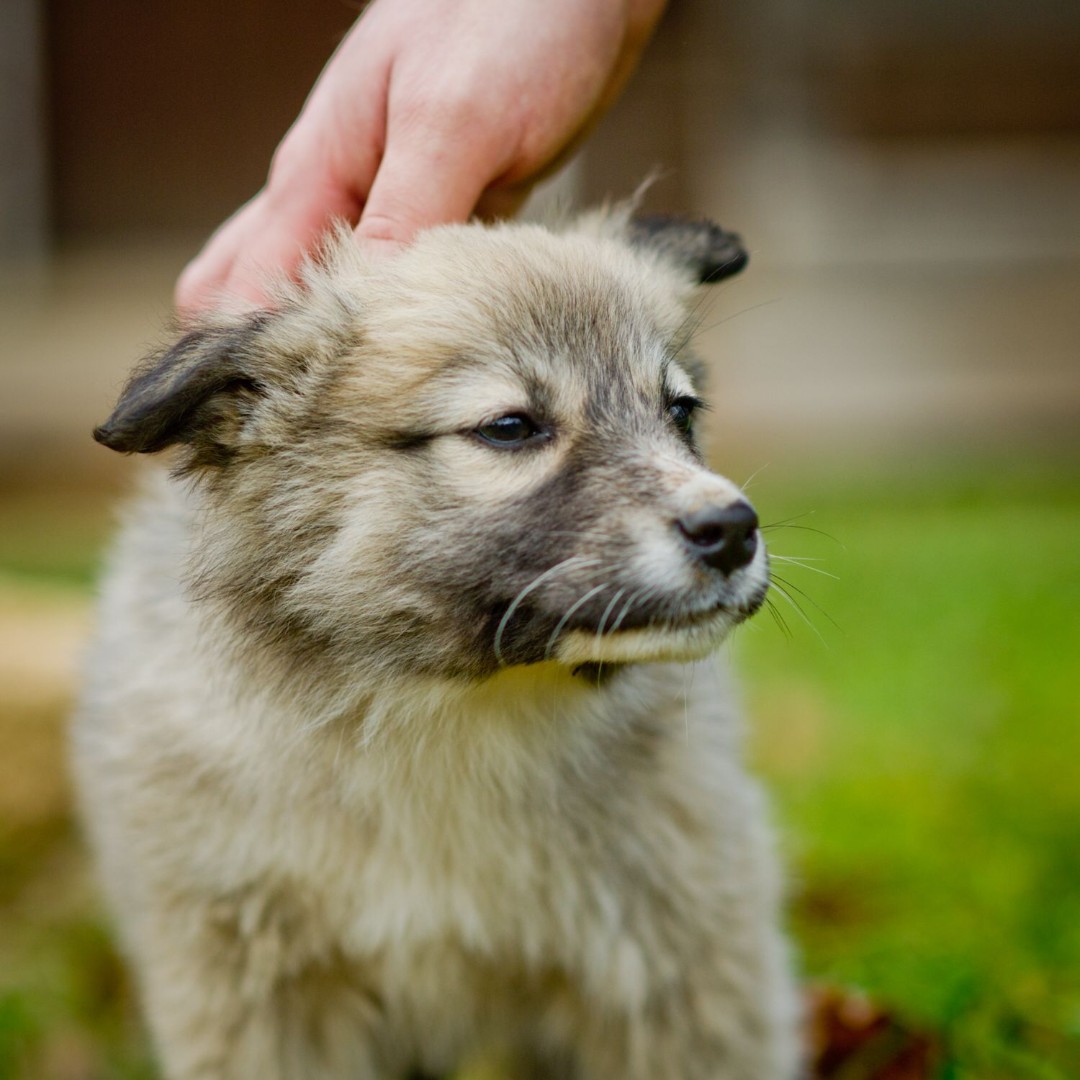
<point>907,176</point>
<point>906,173</point>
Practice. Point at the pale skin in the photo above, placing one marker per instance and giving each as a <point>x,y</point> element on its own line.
<point>427,113</point>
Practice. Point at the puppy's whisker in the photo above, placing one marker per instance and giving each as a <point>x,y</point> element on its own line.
<point>796,607</point>
<point>787,521</point>
<point>741,311</point>
<point>574,560</point>
<point>802,564</point>
<point>569,614</point>
<point>686,677</point>
<point>789,524</point>
<point>626,608</point>
<point>685,331</point>
<point>777,618</point>
<point>750,479</point>
<point>603,622</point>
<point>607,611</point>
<point>808,598</point>
<point>644,597</point>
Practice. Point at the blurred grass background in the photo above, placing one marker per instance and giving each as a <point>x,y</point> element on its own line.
<point>923,752</point>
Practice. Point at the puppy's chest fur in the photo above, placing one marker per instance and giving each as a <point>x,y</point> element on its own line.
<point>517,833</point>
<point>516,860</point>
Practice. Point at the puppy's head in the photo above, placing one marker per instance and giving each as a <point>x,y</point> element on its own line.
<point>478,454</point>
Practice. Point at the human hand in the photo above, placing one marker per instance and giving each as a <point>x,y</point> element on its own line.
<point>426,113</point>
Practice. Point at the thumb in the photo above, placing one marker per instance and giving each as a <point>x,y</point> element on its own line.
<point>417,187</point>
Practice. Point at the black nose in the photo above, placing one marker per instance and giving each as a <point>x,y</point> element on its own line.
<point>723,537</point>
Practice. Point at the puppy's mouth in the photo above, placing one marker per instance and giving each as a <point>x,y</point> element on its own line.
<point>678,635</point>
<point>623,620</point>
<point>737,612</point>
<point>674,615</point>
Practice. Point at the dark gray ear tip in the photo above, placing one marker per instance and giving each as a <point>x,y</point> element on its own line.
<point>703,247</point>
<point>728,257</point>
<point>119,438</point>
<point>128,437</point>
<point>110,437</point>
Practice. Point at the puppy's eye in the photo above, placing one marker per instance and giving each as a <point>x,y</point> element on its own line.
<point>681,411</point>
<point>509,431</point>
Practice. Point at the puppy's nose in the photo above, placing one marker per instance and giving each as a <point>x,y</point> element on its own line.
<point>723,537</point>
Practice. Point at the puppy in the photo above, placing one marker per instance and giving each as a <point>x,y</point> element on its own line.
<point>395,748</point>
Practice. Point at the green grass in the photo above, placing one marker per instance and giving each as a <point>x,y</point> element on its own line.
<point>923,755</point>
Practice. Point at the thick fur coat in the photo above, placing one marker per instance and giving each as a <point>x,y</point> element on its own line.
<point>400,741</point>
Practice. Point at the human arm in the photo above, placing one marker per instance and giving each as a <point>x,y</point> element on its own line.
<point>427,113</point>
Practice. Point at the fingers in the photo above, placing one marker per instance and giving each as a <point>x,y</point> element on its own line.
<point>423,115</point>
<point>414,188</point>
<point>202,281</point>
<point>269,236</point>
<point>421,183</point>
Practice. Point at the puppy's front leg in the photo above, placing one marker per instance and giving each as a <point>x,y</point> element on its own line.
<point>234,990</point>
<point>708,1027</point>
<point>699,986</point>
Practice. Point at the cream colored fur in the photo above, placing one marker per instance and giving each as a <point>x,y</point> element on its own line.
<point>333,852</point>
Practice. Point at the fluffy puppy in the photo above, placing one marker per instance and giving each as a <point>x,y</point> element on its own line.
<point>397,743</point>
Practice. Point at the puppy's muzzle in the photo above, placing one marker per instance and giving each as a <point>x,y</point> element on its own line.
<point>724,538</point>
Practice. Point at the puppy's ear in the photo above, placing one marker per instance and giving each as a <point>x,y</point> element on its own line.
<point>705,250</point>
<point>198,392</point>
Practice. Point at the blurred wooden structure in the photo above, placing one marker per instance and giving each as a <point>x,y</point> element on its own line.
<point>141,118</point>
<point>905,173</point>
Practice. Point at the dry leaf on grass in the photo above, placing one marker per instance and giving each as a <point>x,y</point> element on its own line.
<point>852,1038</point>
